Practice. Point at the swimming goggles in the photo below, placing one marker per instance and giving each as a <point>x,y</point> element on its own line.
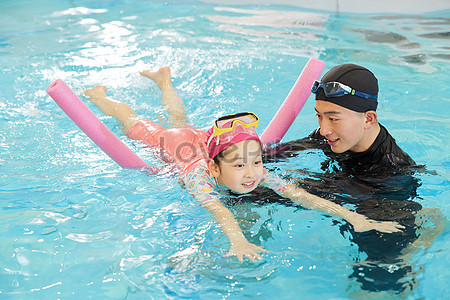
<point>337,89</point>
<point>226,124</point>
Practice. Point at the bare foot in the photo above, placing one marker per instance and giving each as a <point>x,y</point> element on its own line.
<point>161,77</point>
<point>95,93</point>
<point>169,98</point>
<point>110,107</point>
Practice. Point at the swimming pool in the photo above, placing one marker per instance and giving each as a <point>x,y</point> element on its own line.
<point>75,225</point>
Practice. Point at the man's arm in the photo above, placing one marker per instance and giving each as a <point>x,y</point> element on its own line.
<point>359,222</point>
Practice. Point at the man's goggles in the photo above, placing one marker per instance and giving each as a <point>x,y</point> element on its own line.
<point>227,123</point>
<point>337,89</point>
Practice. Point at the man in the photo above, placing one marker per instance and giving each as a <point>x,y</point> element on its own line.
<point>346,103</point>
<point>366,169</point>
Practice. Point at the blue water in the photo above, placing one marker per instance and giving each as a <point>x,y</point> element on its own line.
<point>74,225</point>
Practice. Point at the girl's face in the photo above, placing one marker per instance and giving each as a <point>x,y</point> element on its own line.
<point>241,168</point>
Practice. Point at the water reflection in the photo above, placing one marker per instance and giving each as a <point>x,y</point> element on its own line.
<point>269,23</point>
<point>410,37</point>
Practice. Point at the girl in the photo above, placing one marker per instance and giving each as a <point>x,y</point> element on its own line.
<point>227,155</point>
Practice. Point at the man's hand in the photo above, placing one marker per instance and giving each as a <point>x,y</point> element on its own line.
<point>364,224</point>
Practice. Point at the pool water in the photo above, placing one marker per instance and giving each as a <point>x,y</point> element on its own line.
<point>74,225</point>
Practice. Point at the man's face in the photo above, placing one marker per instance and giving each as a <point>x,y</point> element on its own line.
<point>343,128</point>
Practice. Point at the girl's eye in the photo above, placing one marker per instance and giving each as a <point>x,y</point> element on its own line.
<point>239,165</point>
<point>258,162</point>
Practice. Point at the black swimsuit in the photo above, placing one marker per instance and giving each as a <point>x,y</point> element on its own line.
<point>384,157</point>
<point>380,184</point>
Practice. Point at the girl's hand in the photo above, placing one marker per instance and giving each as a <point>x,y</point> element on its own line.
<point>245,249</point>
<point>365,224</point>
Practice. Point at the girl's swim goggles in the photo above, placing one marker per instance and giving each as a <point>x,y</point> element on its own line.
<point>228,127</point>
<point>227,123</point>
<point>337,89</point>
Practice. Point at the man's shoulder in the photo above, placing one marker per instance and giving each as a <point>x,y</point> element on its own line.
<point>392,152</point>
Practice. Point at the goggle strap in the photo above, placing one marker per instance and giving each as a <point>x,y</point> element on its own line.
<point>209,140</point>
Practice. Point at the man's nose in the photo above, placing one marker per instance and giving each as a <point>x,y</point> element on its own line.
<point>325,128</point>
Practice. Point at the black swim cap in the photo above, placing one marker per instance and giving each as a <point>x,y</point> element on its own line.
<point>359,79</point>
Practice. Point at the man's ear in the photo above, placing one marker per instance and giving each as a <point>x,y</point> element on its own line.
<point>213,168</point>
<point>371,118</point>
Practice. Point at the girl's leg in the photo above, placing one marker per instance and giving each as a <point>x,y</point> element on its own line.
<point>119,110</point>
<point>169,98</point>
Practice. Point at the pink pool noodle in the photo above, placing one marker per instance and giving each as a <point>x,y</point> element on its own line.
<point>84,118</point>
<point>293,103</point>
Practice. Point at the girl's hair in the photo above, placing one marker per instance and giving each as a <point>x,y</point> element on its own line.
<point>219,157</point>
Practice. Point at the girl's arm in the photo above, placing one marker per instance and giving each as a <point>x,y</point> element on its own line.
<point>201,185</point>
<point>239,245</point>
<point>359,222</point>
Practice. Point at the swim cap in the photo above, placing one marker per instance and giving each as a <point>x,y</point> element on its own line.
<point>238,134</point>
<point>359,79</point>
